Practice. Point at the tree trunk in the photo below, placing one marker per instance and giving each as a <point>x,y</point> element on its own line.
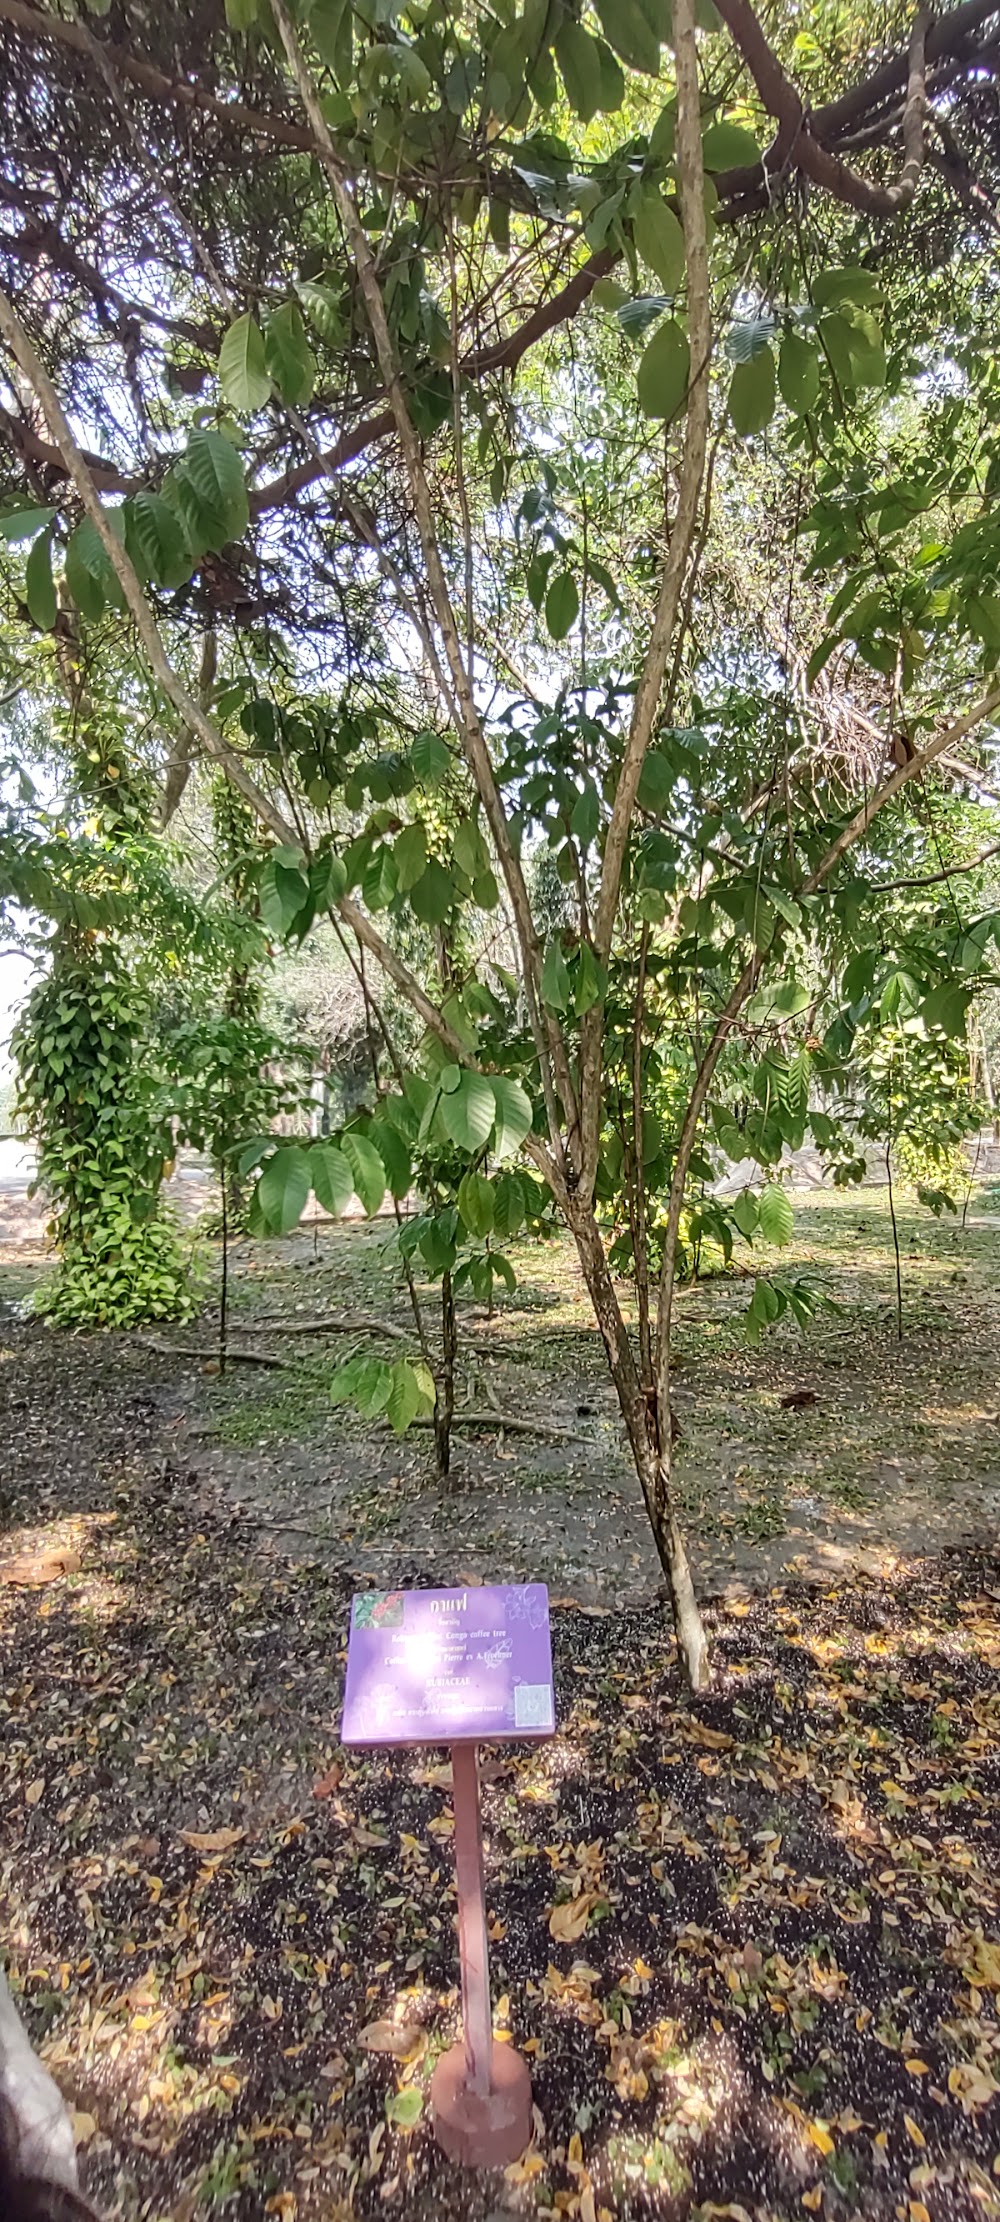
<point>444,1387</point>
<point>652,1462</point>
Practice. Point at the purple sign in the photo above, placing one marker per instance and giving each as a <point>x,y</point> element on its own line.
<point>443,1666</point>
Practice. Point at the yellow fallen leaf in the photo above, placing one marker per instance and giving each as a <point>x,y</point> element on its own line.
<point>984,1968</point>
<point>813,2199</point>
<point>575,2149</point>
<point>215,1840</point>
<point>397,2038</point>
<point>568,1921</point>
<point>34,1790</point>
<point>915,2135</point>
<point>916,2067</point>
<point>820,2136</point>
<point>84,2126</point>
<point>918,2211</point>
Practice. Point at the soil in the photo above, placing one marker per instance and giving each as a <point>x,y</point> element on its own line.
<point>749,1945</point>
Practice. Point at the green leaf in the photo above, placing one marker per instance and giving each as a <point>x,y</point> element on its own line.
<point>729,146</point>
<point>469,849</point>
<point>283,892</point>
<point>39,585</point>
<point>798,374</point>
<point>392,1149</point>
<point>659,238</point>
<point>562,605</point>
<point>430,757</point>
<point>579,59</point>
<point>155,536</point>
<point>367,1169</point>
<point>378,880</point>
<point>745,1213</point>
<point>332,1178</point>
<point>468,1114</point>
<point>212,489</point>
<point>776,1216</point>
<point>982,615</point>
<point>585,817</point>
<point>411,856</point>
<point>86,565</point>
<point>241,15</point>
<point>23,524</point>
<point>629,33</point>
<point>752,394</point>
<point>243,372</point>
<point>946,1007</point>
<point>508,1205</point>
<point>331,28</point>
<point>830,288</point>
<point>555,977</point>
<point>591,981</point>
<point>283,1188</point>
<point>475,1202</point>
<point>612,81</point>
<point>512,1108</point>
<point>288,355</point>
<point>433,895</point>
<point>411,1394</point>
<point>404,2108</point>
<point>664,370</point>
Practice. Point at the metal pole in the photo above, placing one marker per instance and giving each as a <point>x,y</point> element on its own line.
<point>473,1945</point>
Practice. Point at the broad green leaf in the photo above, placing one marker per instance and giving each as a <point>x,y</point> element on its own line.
<point>23,524</point>
<point>798,374</point>
<point>752,394</point>
<point>776,1216</point>
<point>585,817</point>
<point>562,605</point>
<point>663,371</point>
<point>982,615</point>
<point>212,491</point>
<point>468,1114</point>
<point>612,81</point>
<point>508,1205</point>
<point>555,977</point>
<point>154,534</point>
<point>513,1115</point>
<point>946,1007</point>
<point>591,981</point>
<point>579,59</point>
<point>394,1153</point>
<point>629,33</point>
<point>367,1169</point>
<point>243,373</point>
<point>331,28</point>
<point>475,1202</point>
<point>745,1213</point>
<point>831,288</point>
<point>411,1394</point>
<point>323,307</point>
<point>378,880</point>
<point>469,849</point>
<point>729,146</point>
<point>433,895</point>
<point>85,572</point>
<point>283,892</point>
<point>411,856</point>
<point>288,355</point>
<point>332,1178</point>
<point>748,336</point>
<point>430,757</point>
<point>659,238</point>
<point>404,2108</point>
<point>39,585</point>
<point>283,1187</point>
<point>241,15</point>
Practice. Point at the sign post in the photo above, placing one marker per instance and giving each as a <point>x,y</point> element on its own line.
<point>460,1667</point>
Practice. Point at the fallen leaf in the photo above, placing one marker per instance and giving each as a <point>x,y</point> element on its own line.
<point>397,2038</point>
<point>820,2136</point>
<point>915,2135</point>
<point>325,1785</point>
<point>216,1840</point>
<point>84,2126</point>
<point>34,1790</point>
<point>568,1921</point>
<point>35,1568</point>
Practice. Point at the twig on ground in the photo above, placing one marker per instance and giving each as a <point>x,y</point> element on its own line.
<point>363,1323</point>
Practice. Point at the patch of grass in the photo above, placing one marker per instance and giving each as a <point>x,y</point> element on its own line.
<point>288,1406</point>
<point>765,1516</point>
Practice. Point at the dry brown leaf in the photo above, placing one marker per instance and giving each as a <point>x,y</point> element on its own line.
<point>84,2126</point>
<point>568,1921</point>
<point>711,1739</point>
<point>34,1790</point>
<point>35,1568</point>
<point>214,1840</point>
<point>915,2134</point>
<point>325,1785</point>
<point>397,2038</point>
<point>984,1968</point>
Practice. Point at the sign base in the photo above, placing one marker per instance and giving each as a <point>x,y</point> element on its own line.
<point>482,2129</point>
